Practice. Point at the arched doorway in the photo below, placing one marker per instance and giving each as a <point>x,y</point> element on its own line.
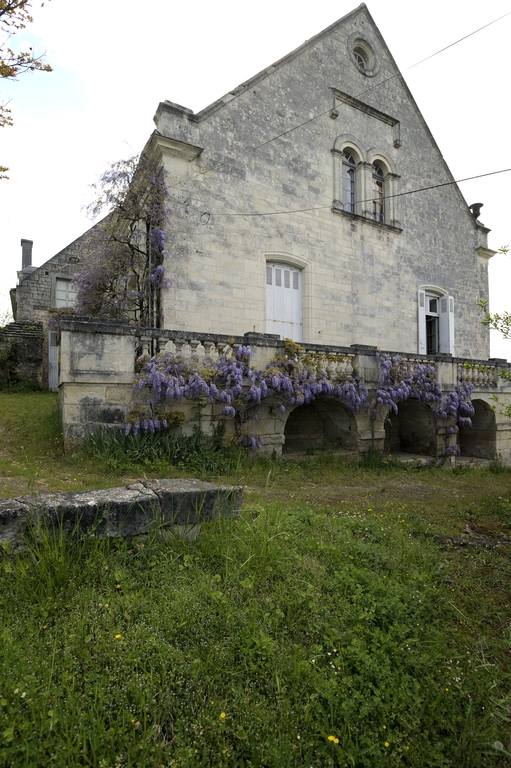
<point>411,430</point>
<point>321,424</point>
<point>478,440</point>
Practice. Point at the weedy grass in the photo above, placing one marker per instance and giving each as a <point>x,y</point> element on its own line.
<point>325,626</point>
<point>293,636</point>
<point>197,452</point>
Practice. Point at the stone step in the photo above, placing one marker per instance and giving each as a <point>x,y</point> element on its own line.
<point>21,330</point>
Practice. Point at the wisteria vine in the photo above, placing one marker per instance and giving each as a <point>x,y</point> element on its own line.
<point>230,381</point>
<point>295,378</point>
<point>125,277</point>
<point>400,379</point>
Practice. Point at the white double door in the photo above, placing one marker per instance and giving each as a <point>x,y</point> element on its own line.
<point>284,301</point>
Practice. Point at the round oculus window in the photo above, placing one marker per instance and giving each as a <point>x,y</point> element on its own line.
<point>361,52</point>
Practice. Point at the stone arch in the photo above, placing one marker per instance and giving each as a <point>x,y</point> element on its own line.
<point>479,440</point>
<point>324,423</point>
<point>346,141</point>
<point>411,430</point>
<point>376,156</point>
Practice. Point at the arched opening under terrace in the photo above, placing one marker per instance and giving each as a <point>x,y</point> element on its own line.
<point>411,430</point>
<point>479,440</point>
<point>322,424</point>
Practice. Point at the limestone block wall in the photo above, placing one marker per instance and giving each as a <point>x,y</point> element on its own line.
<point>33,299</point>
<point>96,376</point>
<point>236,208</point>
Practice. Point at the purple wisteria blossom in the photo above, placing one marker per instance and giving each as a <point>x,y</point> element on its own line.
<point>234,384</point>
<point>399,380</point>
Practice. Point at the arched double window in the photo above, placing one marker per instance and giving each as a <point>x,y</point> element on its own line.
<point>348,182</point>
<point>378,193</point>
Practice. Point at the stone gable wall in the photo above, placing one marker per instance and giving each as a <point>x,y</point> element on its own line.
<point>360,278</point>
<point>34,300</point>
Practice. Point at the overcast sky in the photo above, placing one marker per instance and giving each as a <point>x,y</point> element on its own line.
<point>115,60</point>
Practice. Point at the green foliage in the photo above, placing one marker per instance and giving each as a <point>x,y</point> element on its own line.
<point>10,380</point>
<point>293,636</point>
<point>496,322</point>
<point>196,453</point>
<point>14,17</point>
<point>9,359</point>
<point>375,460</point>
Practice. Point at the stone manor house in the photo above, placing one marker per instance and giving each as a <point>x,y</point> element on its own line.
<point>297,212</point>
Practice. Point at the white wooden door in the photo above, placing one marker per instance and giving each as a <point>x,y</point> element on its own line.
<point>284,301</point>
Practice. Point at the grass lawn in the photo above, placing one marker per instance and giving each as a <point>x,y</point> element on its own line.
<point>332,624</point>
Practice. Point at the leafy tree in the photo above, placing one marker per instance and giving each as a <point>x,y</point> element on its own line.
<point>497,322</point>
<point>14,16</point>
<point>125,278</point>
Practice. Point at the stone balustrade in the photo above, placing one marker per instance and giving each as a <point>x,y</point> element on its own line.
<point>98,363</point>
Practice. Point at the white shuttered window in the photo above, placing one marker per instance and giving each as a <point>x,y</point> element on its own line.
<point>284,301</point>
<point>436,324</point>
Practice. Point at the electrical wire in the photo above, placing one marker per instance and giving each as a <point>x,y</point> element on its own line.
<point>205,215</point>
<point>327,111</point>
<point>388,197</point>
<point>458,41</point>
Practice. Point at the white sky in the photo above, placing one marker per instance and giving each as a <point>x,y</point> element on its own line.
<point>115,60</point>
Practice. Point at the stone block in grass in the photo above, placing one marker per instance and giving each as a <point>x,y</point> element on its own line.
<point>126,511</point>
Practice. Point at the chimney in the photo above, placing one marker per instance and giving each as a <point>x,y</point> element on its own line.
<point>26,253</point>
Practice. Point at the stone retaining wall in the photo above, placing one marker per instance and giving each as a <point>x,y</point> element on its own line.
<point>99,365</point>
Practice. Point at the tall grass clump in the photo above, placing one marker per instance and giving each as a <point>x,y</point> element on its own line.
<point>197,452</point>
<point>293,636</point>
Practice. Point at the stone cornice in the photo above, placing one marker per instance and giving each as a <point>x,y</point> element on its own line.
<point>485,253</point>
<point>163,146</point>
<point>345,98</point>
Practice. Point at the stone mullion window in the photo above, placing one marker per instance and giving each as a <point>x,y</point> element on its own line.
<point>391,201</point>
<point>365,190</point>
<point>348,183</point>
<point>379,192</point>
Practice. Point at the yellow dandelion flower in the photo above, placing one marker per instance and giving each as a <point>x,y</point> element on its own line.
<point>117,637</point>
<point>334,739</point>
<point>387,744</point>
<point>222,715</point>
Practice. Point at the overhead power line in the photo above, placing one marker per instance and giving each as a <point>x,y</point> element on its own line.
<point>458,41</point>
<point>247,151</point>
<point>323,207</point>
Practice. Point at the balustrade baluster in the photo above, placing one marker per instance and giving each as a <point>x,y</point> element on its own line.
<point>194,343</point>
<point>179,344</point>
<point>146,345</point>
<point>208,345</point>
<point>331,367</point>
